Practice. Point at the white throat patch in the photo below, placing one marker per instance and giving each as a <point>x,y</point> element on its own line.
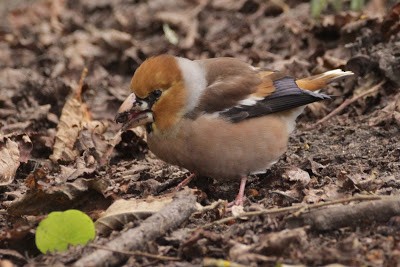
<point>194,77</point>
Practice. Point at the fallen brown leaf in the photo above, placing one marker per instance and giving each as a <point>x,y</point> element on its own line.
<point>297,175</point>
<point>9,161</point>
<point>74,115</point>
<point>123,211</point>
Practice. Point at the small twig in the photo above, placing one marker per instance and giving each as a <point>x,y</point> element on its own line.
<point>212,206</point>
<point>336,217</point>
<point>167,219</point>
<point>348,102</point>
<point>284,195</point>
<point>302,208</point>
<point>251,213</point>
<point>136,253</point>
<point>344,200</point>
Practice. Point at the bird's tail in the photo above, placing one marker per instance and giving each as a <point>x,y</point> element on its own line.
<point>319,81</point>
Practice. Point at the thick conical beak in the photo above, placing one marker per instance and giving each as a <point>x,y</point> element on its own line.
<point>133,113</point>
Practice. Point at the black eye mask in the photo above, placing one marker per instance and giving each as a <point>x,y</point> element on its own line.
<point>152,98</point>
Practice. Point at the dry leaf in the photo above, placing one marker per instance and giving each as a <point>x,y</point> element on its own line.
<point>58,197</point>
<point>74,115</point>
<point>388,115</point>
<point>116,39</point>
<point>83,165</point>
<point>276,243</point>
<point>243,253</point>
<point>297,175</point>
<point>315,166</point>
<point>123,211</point>
<point>328,192</point>
<point>9,161</point>
<point>91,137</point>
<point>25,147</point>
<point>237,210</point>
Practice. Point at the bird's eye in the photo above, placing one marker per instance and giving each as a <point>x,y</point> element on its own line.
<point>153,97</point>
<point>157,93</point>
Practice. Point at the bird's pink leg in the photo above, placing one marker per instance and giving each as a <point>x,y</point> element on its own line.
<point>239,198</point>
<point>185,182</point>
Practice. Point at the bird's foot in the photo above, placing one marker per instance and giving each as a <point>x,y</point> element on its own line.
<point>239,200</point>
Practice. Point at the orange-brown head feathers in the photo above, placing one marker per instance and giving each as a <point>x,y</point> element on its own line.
<point>156,73</point>
<point>161,74</point>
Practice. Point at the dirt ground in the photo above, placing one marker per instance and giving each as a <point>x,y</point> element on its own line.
<point>58,148</point>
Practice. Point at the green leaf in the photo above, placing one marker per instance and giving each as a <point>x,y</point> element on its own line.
<point>356,5</point>
<point>337,5</point>
<point>317,6</point>
<point>61,229</point>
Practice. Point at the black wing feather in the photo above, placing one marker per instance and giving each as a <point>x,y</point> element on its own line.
<point>286,96</point>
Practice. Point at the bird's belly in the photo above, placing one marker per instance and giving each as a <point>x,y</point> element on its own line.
<point>222,150</point>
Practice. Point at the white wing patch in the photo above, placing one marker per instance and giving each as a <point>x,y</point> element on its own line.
<point>251,101</point>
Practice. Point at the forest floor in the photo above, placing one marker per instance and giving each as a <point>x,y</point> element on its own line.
<point>58,148</point>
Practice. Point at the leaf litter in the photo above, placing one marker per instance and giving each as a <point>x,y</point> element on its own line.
<point>60,148</point>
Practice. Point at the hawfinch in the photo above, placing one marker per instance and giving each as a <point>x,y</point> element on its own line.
<point>219,117</point>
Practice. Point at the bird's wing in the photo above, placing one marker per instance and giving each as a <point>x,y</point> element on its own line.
<point>237,91</point>
<point>273,95</point>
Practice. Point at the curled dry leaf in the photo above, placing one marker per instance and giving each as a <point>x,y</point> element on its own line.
<point>25,147</point>
<point>83,165</point>
<point>14,149</point>
<point>38,177</point>
<point>328,192</point>
<point>293,194</point>
<point>123,211</point>
<point>297,175</point>
<point>243,253</point>
<point>74,115</point>
<point>9,161</point>
<point>277,243</point>
<point>388,115</point>
<point>366,182</point>
<point>316,167</point>
<point>57,197</point>
<point>91,139</point>
<point>76,132</point>
<point>268,244</point>
<point>237,210</point>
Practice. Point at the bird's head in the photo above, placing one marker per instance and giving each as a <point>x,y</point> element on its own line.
<point>158,98</point>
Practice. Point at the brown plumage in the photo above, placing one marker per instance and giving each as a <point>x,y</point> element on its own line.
<point>218,117</point>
